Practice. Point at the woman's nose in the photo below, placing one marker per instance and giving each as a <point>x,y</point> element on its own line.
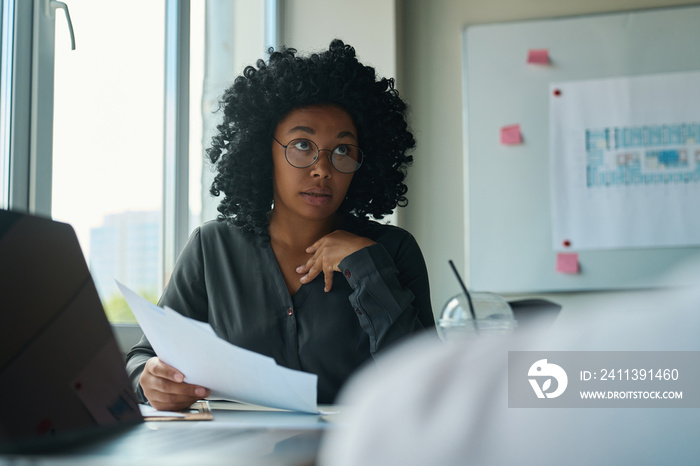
<point>323,166</point>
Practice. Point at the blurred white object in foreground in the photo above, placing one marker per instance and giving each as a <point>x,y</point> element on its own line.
<point>428,403</point>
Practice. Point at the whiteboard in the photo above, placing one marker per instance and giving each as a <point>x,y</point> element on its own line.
<point>508,186</point>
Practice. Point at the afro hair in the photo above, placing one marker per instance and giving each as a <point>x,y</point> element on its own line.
<point>263,95</point>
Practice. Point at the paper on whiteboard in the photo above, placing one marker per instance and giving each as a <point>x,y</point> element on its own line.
<point>230,372</point>
<point>625,162</point>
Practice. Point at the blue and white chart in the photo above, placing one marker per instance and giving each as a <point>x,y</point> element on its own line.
<point>625,162</point>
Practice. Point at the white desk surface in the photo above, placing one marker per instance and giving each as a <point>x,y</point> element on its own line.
<point>238,434</point>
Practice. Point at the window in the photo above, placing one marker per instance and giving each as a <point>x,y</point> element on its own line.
<point>5,101</point>
<point>107,179</point>
<point>116,131</point>
<point>15,93</point>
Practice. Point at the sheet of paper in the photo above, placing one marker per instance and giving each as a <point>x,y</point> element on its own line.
<point>230,372</point>
<point>147,410</point>
<point>625,162</point>
<point>511,135</point>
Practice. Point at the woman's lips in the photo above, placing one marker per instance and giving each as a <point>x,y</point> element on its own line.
<point>316,197</point>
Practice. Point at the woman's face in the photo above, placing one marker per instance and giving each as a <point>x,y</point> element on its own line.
<point>314,192</point>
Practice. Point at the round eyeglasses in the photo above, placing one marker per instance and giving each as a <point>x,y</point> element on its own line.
<point>302,153</point>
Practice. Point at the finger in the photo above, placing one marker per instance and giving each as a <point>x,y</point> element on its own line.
<point>165,400</point>
<point>328,278</point>
<point>315,255</point>
<point>170,402</point>
<point>314,247</point>
<point>173,397</point>
<point>314,267</point>
<point>155,377</point>
<point>175,388</point>
<point>312,273</point>
<point>160,369</point>
<point>307,266</point>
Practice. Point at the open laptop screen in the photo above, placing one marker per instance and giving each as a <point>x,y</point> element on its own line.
<point>61,372</point>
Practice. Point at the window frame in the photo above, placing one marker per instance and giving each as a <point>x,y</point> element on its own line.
<point>27,135</point>
<point>27,33</point>
<point>29,156</point>
<point>16,124</point>
<point>176,133</point>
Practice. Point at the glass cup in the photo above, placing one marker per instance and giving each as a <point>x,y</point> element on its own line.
<point>493,317</point>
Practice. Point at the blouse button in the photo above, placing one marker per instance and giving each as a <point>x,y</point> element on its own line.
<point>290,311</point>
<point>347,273</point>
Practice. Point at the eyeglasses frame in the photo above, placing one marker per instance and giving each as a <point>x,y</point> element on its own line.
<point>318,153</point>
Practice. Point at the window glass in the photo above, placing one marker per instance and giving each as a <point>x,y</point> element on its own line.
<point>5,95</point>
<point>197,141</point>
<point>108,142</point>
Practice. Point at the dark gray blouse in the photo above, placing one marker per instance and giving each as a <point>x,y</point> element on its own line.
<point>226,278</point>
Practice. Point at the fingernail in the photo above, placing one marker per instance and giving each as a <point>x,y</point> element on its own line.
<point>299,269</point>
<point>303,279</point>
<point>199,391</point>
<point>179,377</point>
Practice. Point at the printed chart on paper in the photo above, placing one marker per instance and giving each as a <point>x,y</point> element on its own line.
<point>625,162</point>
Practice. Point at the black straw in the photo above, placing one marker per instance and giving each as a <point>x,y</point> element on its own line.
<point>464,288</point>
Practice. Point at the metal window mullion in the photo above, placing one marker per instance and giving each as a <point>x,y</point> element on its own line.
<point>7,19</point>
<point>17,101</point>
<point>176,133</point>
<point>41,130</point>
<point>273,24</point>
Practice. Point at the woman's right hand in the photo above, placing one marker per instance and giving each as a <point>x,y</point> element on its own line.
<point>165,388</point>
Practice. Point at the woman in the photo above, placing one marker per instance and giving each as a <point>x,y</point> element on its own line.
<point>293,268</point>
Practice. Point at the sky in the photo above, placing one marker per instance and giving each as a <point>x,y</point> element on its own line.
<point>108,111</point>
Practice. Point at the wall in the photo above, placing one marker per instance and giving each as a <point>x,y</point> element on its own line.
<point>419,43</point>
<point>431,80</point>
<point>368,25</point>
<point>236,31</point>
<point>235,38</point>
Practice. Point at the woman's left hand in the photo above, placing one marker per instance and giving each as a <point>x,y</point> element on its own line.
<point>328,252</point>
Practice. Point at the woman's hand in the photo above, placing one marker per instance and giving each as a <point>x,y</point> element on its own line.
<point>165,388</point>
<point>328,252</point>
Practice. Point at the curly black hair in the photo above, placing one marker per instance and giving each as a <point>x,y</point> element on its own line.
<point>262,96</point>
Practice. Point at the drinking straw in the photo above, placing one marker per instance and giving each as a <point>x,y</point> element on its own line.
<point>469,298</point>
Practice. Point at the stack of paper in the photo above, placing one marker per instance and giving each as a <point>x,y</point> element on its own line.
<point>230,372</point>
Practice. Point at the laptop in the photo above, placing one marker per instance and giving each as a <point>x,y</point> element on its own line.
<point>66,394</point>
<point>62,377</point>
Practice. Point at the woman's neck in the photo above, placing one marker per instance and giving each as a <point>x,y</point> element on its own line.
<point>298,233</point>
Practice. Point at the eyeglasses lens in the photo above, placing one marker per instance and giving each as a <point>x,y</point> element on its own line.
<point>302,153</point>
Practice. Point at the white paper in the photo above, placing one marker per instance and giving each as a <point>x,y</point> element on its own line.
<point>147,410</point>
<point>230,372</point>
<point>625,162</point>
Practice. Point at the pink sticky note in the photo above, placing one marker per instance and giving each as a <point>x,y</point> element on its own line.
<point>538,56</point>
<point>567,262</point>
<point>511,135</point>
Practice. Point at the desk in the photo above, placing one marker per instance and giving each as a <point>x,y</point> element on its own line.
<point>238,435</point>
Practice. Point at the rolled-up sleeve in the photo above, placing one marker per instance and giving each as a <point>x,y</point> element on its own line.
<point>391,296</point>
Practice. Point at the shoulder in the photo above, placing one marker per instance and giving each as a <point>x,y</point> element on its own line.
<point>375,230</point>
<point>392,237</point>
<point>218,228</point>
<point>219,233</point>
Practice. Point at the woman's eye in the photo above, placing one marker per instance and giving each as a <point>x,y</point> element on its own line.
<point>342,150</point>
<point>302,145</point>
